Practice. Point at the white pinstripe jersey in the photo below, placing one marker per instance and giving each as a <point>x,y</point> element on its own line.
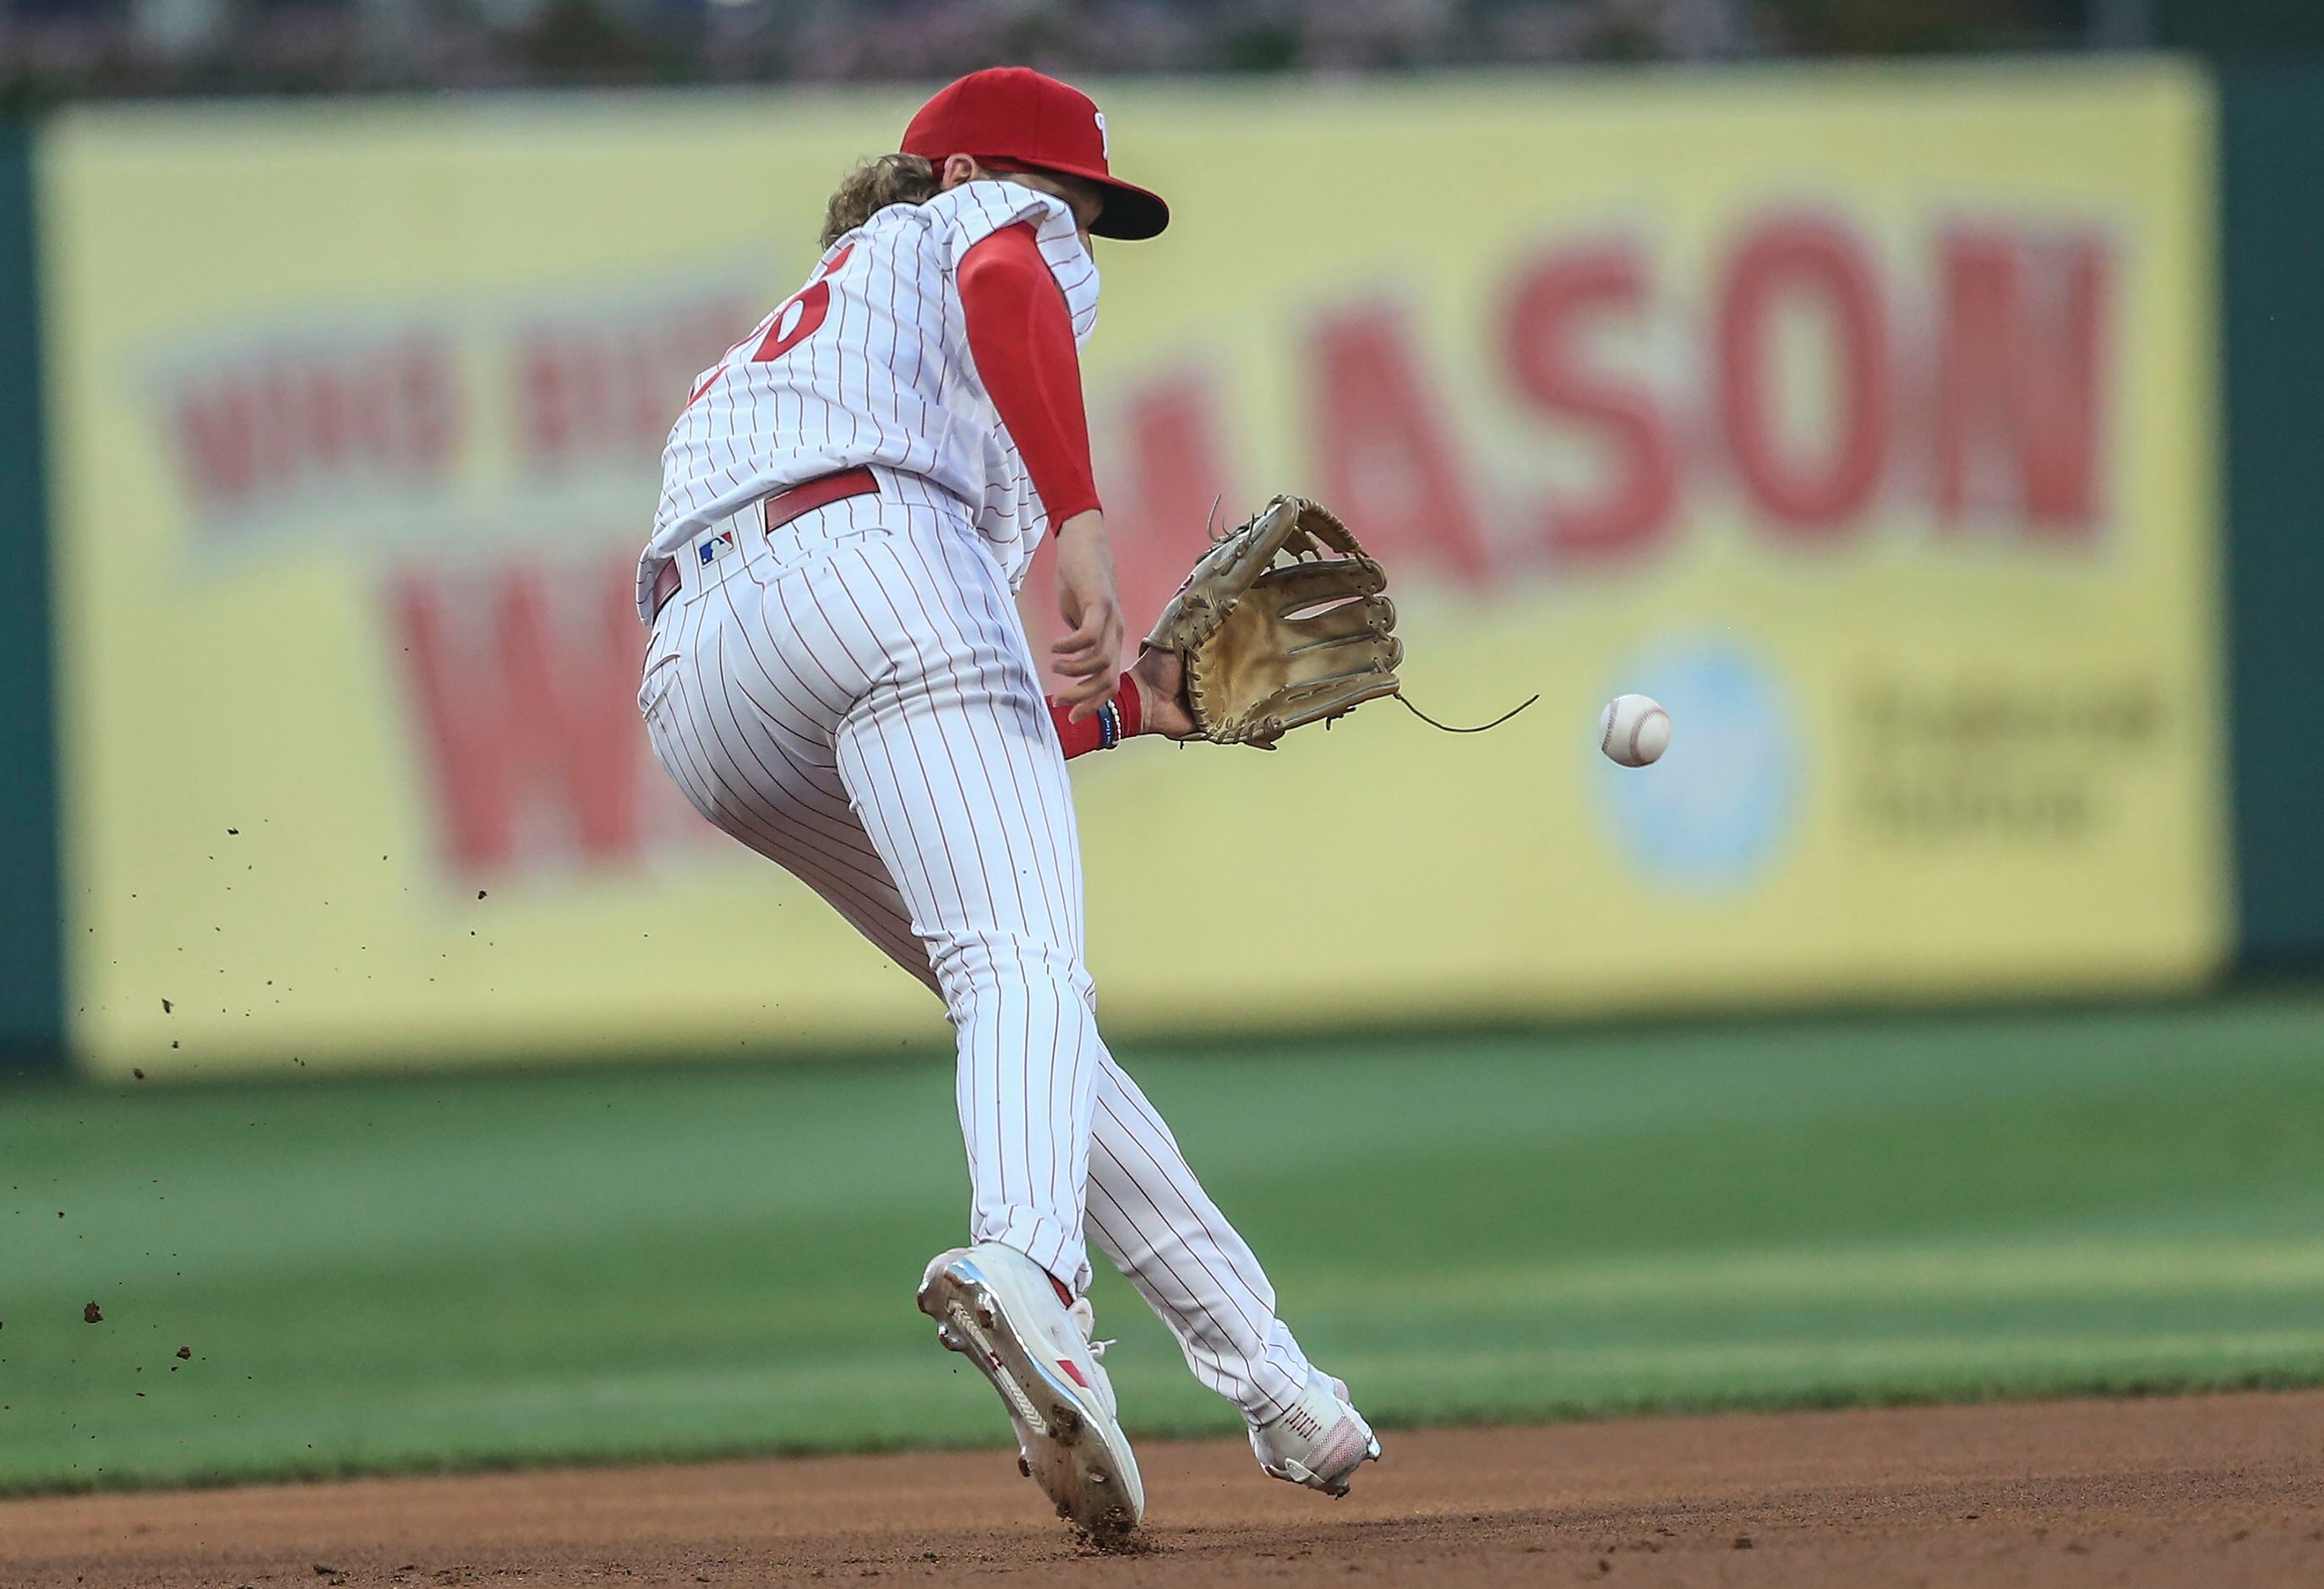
<point>869,363</point>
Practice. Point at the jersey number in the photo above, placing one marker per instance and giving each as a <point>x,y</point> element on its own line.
<point>785,330</point>
<point>813,302</point>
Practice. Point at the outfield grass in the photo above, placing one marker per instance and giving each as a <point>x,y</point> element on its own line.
<point>518,1267</point>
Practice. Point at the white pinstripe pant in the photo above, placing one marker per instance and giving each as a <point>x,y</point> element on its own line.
<point>854,698</point>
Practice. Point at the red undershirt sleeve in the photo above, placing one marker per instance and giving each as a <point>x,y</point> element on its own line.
<point>1021,338</point>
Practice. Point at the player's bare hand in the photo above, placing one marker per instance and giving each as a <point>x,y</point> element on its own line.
<point>1161,681</point>
<point>1088,658</point>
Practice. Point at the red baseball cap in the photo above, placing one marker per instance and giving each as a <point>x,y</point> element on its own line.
<point>1013,112</point>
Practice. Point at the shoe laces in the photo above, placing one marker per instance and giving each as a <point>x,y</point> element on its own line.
<point>1085,1317</point>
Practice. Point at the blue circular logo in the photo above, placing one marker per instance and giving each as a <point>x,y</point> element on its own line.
<point>1716,810</point>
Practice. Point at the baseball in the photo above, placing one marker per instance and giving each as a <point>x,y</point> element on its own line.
<point>1634,730</point>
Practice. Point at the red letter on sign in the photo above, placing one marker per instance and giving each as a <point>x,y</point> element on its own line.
<point>1386,465</point>
<point>217,427</point>
<point>1817,264</point>
<point>1175,474</point>
<point>1550,317</point>
<point>564,397</point>
<point>1169,474</point>
<point>2019,378</point>
<point>526,712</point>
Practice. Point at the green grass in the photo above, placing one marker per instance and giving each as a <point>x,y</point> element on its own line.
<point>463,1272</point>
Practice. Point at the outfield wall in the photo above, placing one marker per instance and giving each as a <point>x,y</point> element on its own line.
<point>32,970</point>
<point>1866,417</point>
<point>2271,146</point>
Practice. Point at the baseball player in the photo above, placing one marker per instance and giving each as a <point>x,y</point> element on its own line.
<point>838,678</point>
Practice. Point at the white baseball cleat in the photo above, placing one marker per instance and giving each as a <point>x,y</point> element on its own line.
<point>1000,1309</point>
<point>1320,1441</point>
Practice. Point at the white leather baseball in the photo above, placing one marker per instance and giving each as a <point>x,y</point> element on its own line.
<point>1634,730</point>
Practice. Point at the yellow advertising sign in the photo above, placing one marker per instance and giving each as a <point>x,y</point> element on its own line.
<point>1864,418</point>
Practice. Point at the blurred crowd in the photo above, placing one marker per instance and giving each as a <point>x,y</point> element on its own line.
<point>53,50</point>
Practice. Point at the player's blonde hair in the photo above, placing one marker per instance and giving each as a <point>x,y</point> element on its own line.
<point>874,185</point>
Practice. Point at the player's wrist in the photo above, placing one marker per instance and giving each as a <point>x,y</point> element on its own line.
<point>1089,520</point>
<point>1121,716</point>
<point>1127,707</point>
<point>1158,679</point>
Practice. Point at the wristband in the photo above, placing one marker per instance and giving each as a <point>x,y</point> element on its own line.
<point>1117,719</point>
<point>1132,707</point>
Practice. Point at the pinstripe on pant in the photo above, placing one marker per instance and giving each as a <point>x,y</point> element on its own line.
<point>853,698</point>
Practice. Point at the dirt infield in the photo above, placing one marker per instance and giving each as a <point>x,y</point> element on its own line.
<point>2199,1491</point>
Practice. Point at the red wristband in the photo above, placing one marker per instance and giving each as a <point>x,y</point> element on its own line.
<point>1115,721</point>
<point>1132,706</point>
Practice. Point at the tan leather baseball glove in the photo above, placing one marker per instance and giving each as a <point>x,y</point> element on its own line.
<point>1282,623</point>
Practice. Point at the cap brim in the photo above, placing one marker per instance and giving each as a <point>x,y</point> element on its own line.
<point>1130,213</point>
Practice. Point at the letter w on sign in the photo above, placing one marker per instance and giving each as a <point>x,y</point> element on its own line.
<point>522,683</point>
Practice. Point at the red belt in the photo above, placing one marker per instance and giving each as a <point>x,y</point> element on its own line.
<point>779,510</point>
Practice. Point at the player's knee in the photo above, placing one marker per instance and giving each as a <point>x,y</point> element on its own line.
<point>973,971</point>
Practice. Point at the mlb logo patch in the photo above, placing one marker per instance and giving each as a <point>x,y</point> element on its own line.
<point>716,547</point>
